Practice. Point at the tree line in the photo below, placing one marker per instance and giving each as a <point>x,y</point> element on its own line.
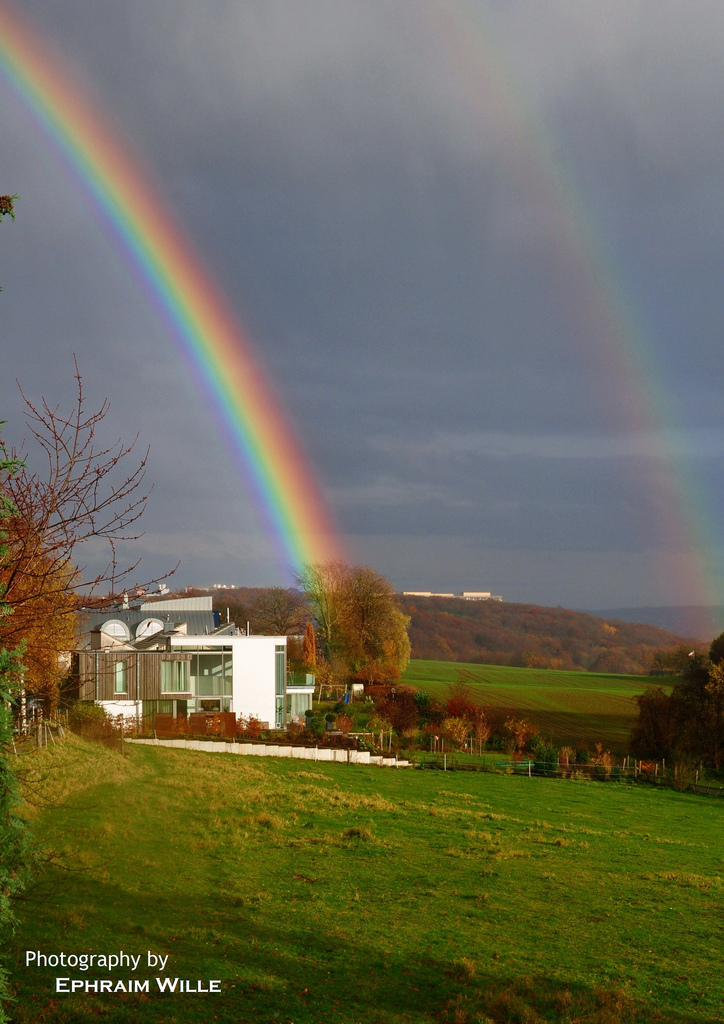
<point>686,724</point>
<point>503,633</point>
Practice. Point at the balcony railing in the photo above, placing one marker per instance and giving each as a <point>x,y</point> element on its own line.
<point>300,681</point>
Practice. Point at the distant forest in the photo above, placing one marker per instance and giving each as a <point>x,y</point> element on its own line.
<point>499,633</point>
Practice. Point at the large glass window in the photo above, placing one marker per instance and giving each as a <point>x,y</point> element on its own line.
<point>211,674</point>
<point>297,704</point>
<point>120,682</point>
<point>174,677</point>
<point>280,669</point>
<point>151,708</point>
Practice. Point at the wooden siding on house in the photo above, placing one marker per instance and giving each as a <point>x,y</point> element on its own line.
<point>96,673</point>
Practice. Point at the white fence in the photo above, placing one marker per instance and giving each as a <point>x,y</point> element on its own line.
<point>278,750</point>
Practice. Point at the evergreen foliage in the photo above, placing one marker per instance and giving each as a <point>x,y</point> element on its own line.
<point>716,651</point>
<point>686,724</point>
<point>309,653</point>
<point>15,842</point>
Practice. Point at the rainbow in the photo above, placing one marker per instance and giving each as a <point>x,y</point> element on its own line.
<point>615,339</point>
<point>261,439</point>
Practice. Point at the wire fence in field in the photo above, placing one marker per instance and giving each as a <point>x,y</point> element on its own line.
<point>629,771</point>
<point>681,777</point>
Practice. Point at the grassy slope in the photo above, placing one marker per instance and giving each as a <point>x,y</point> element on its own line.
<point>461,899</point>
<point>568,707</point>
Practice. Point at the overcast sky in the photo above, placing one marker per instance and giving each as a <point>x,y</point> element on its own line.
<point>479,248</point>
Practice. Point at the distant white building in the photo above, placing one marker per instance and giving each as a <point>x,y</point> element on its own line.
<point>173,658</point>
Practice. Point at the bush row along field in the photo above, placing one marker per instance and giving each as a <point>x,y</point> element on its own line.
<point>323,893</point>
<point>573,708</point>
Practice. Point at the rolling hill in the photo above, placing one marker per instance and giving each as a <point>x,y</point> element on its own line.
<point>498,633</point>
<point>577,709</point>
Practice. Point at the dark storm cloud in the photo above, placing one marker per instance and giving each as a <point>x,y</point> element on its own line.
<point>347,179</point>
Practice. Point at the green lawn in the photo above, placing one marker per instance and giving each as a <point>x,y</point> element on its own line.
<point>574,708</point>
<point>321,893</point>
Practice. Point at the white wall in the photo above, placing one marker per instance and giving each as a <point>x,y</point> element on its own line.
<point>254,676</point>
<point>253,682</point>
<point>130,709</point>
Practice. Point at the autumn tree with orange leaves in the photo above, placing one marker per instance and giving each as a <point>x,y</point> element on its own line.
<point>87,491</point>
<point>361,627</point>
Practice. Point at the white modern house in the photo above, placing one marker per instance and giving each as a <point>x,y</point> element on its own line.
<point>172,657</point>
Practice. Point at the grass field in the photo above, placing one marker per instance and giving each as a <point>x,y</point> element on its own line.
<point>574,708</point>
<point>321,893</point>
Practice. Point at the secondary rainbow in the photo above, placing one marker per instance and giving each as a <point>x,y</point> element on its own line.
<point>261,438</point>
<point>614,338</point>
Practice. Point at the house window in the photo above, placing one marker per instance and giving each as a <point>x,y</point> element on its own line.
<point>280,669</point>
<point>174,677</point>
<point>120,682</point>
<point>211,675</point>
<point>297,704</point>
<point>228,675</point>
<point>117,629</point>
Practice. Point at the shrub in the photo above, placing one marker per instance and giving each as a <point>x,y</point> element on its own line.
<point>683,773</point>
<point>603,762</point>
<point>545,756</point>
<point>520,730</point>
<point>422,701</point>
<point>460,702</point>
<point>84,713</point>
<point>455,730</point>
<point>482,728</point>
<point>249,726</point>
<point>398,708</point>
<point>91,721</point>
<point>566,760</point>
<point>315,724</point>
<point>435,711</point>
<point>430,734</point>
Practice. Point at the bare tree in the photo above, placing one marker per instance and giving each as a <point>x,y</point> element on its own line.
<point>86,492</point>
<point>279,612</point>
